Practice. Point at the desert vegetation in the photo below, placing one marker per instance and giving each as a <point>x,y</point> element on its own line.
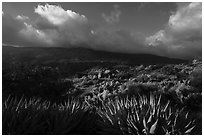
<point>115,99</point>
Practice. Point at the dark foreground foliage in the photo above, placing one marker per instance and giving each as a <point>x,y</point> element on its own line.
<point>144,99</point>
<point>140,115</point>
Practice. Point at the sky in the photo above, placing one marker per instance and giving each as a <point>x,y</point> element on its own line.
<point>166,29</point>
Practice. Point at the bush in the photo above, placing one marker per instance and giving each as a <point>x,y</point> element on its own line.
<point>124,75</point>
<point>141,88</point>
<point>196,78</point>
<point>38,81</point>
<point>194,101</point>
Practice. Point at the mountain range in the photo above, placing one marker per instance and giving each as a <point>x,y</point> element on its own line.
<point>59,55</point>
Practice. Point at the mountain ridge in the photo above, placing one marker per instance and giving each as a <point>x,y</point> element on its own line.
<point>78,54</point>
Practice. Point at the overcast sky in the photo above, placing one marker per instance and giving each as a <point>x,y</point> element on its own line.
<point>166,29</point>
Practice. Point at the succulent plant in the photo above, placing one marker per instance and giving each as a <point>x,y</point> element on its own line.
<point>31,116</point>
<point>145,116</point>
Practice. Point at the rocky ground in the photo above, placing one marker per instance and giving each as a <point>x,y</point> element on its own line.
<point>182,81</point>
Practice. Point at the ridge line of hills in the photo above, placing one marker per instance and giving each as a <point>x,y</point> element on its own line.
<point>45,55</point>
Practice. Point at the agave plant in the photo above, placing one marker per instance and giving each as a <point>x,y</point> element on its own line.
<point>68,118</point>
<point>35,117</point>
<point>23,116</point>
<point>145,115</point>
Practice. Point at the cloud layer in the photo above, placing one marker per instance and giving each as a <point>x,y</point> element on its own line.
<point>58,27</point>
<point>55,26</point>
<point>182,36</point>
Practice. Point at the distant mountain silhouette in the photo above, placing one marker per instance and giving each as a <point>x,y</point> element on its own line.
<point>45,55</point>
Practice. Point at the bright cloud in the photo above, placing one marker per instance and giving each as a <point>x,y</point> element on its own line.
<point>57,15</point>
<point>22,17</point>
<point>157,38</point>
<point>63,26</point>
<point>34,35</point>
<point>182,35</point>
<point>187,18</point>
<point>53,27</point>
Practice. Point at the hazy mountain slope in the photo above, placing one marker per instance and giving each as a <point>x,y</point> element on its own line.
<point>42,55</point>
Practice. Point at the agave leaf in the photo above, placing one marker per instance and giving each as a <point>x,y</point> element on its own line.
<point>170,112</point>
<point>19,103</point>
<point>132,124</point>
<point>6,102</point>
<point>153,127</point>
<point>166,131</point>
<point>158,111</point>
<point>145,124</point>
<point>188,124</point>
<point>182,109</point>
<point>148,111</point>
<point>110,110</point>
<point>168,123</point>
<point>153,110</point>
<point>114,109</point>
<point>186,116</point>
<point>167,105</point>
<point>138,118</point>
<point>131,102</point>
<point>145,99</point>
<point>152,100</point>
<point>159,101</point>
<point>175,120</point>
<point>126,101</point>
<point>73,107</point>
<point>150,119</point>
<point>109,119</point>
<point>119,104</point>
<point>140,97</point>
<point>133,116</point>
<point>190,130</point>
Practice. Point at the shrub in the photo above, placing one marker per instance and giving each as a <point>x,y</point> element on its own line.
<point>142,78</point>
<point>157,76</point>
<point>196,78</point>
<point>141,88</point>
<point>41,81</point>
<point>194,101</point>
<point>124,75</point>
